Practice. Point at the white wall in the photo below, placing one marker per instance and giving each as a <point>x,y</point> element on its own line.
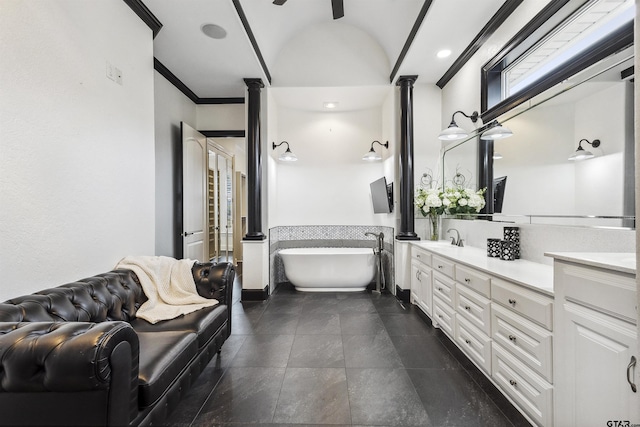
<point>76,149</point>
<point>329,184</point>
<point>427,146</point>
<point>600,180</point>
<point>221,117</point>
<point>540,179</point>
<point>171,108</point>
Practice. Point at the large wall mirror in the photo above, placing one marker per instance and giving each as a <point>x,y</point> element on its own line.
<point>542,184</point>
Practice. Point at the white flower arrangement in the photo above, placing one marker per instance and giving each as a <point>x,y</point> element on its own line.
<point>464,200</point>
<point>453,201</point>
<point>430,201</point>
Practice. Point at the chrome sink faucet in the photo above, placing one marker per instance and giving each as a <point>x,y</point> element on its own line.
<point>457,241</point>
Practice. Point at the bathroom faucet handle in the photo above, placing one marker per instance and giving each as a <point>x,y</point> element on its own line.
<point>453,240</point>
<point>461,243</point>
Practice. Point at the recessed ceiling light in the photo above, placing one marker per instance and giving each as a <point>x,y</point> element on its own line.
<point>214,31</point>
<point>443,53</point>
<point>330,105</point>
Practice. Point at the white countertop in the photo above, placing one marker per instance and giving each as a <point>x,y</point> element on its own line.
<point>529,274</point>
<point>624,262</point>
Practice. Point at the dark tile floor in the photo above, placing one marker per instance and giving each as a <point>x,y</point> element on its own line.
<point>341,359</point>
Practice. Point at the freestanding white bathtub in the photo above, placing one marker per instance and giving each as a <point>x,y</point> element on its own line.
<point>329,269</point>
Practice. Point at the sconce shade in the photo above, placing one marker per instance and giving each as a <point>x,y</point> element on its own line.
<point>496,155</point>
<point>371,155</point>
<point>288,155</point>
<point>453,132</point>
<point>496,131</point>
<point>581,153</point>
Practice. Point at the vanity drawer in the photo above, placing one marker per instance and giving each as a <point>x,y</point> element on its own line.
<point>611,293</point>
<point>473,279</point>
<point>444,316</point>
<point>474,343</point>
<point>473,307</point>
<point>442,265</point>
<point>529,304</point>
<point>444,288</point>
<point>532,394</point>
<point>527,341</point>
<point>421,255</point>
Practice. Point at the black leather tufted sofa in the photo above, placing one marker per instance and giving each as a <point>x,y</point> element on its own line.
<point>76,355</point>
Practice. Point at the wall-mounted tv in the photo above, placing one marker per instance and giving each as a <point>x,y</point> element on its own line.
<point>499,185</point>
<point>382,196</point>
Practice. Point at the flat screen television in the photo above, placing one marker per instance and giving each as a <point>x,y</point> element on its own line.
<point>499,185</point>
<point>382,196</point>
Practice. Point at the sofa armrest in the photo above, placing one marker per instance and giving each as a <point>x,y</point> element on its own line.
<point>215,280</point>
<point>83,373</point>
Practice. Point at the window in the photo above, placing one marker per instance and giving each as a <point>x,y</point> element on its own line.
<point>563,39</point>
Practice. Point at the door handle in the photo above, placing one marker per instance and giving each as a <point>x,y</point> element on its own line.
<point>632,363</point>
<point>185,234</point>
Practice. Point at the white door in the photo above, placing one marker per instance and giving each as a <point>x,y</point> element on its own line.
<point>598,374</point>
<point>194,193</point>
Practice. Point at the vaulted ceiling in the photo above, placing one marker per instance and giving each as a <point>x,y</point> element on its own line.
<point>299,44</point>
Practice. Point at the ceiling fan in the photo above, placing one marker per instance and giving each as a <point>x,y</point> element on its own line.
<point>336,5</point>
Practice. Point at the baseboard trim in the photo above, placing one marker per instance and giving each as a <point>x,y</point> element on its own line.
<point>403,295</point>
<point>255,294</point>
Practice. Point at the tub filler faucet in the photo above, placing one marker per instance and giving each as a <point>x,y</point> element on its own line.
<point>378,253</point>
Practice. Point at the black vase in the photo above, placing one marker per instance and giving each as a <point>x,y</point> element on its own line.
<point>493,248</point>
<point>512,234</point>
<point>507,250</point>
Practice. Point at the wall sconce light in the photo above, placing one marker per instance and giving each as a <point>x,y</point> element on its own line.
<point>287,156</point>
<point>371,155</point>
<point>454,132</point>
<point>496,155</point>
<point>496,131</point>
<point>581,153</point>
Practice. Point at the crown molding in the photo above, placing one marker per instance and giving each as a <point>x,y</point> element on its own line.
<point>167,74</point>
<point>412,35</point>
<point>487,31</point>
<point>145,14</point>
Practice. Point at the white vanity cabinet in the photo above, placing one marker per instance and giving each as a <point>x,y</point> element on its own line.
<point>522,361</point>
<point>595,324</point>
<point>500,314</point>
<point>444,288</point>
<point>421,291</point>
<point>473,313</point>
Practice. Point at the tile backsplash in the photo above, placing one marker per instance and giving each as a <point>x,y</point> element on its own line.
<point>536,239</point>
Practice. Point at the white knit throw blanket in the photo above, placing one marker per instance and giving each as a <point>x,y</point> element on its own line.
<point>169,286</point>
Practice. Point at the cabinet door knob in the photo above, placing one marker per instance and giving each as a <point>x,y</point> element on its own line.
<point>440,316</point>
<point>512,338</point>
<point>466,307</point>
<point>512,301</point>
<point>632,363</point>
<point>513,383</point>
<point>440,289</point>
<point>467,280</point>
<point>440,267</point>
<point>468,342</point>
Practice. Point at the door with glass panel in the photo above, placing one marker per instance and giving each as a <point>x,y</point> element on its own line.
<point>220,204</point>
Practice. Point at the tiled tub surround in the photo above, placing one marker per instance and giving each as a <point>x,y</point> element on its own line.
<point>328,236</point>
<point>536,239</point>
